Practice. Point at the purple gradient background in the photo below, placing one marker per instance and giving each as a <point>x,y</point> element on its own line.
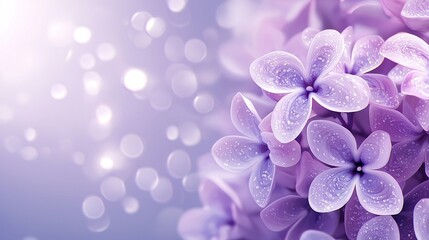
<point>43,197</point>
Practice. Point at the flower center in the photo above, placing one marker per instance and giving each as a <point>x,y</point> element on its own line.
<point>358,168</point>
<point>309,89</point>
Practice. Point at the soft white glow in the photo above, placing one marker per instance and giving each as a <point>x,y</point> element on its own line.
<point>155,27</point>
<point>92,83</point>
<point>106,163</point>
<point>131,146</point>
<point>104,114</point>
<point>106,52</point>
<point>131,205</point>
<point>172,133</point>
<point>93,207</point>
<point>82,35</point>
<point>7,9</point>
<point>30,134</point>
<point>139,19</point>
<point>58,91</point>
<point>87,61</point>
<point>135,80</point>
<point>176,5</point>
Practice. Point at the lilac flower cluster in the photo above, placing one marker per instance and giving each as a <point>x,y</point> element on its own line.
<point>341,151</point>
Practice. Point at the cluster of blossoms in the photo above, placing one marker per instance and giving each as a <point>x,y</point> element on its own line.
<point>342,149</point>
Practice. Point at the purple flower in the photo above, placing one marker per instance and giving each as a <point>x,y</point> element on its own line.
<point>414,13</point>
<point>421,219</point>
<point>283,73</point>
<point>293,213</point>
<point>223,216</point>
<point>364,56</point>
<point>315,235</point>
<point>334,145</point>
<point>412,141</point>
<point>408,221</point>
<point>411,52</point>
<point>257,150</point>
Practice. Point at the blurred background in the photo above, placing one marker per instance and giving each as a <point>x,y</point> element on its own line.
<point>106,108</point>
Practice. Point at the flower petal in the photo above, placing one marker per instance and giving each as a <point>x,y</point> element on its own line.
<point>215,196</point>
<point>374,152</point>
<point>282,154</point>
<point>412,197</point>
<point>398,73</point>
<point>194,224</point>
<point>379,193</point>
<point>324,53</point>
<point>309,168</point>
<point>326,222</point>
<point>383,90</point>
<point>348,34</point>
<point>420,110</point>
<point>381,227</point>
<point>366,54</point>
<point>265,125</point>
<point>416,15</point>
<point>416,83</point>
<point>308,35</point>
<point>235,153</point>
<point>331,143</point>
<point>426,151</point>
<point>331,189</point>
<point>405,160</point>
<point>392,122</point>
<point>408,50</point>
<point>355,216</point>
<point>261,182</point>
<point>244,117</point>
<point>315,235</point>
<point>290,116</point>
<point>342,93</point>
<point>284,212</point>
<point>421,219</point>
<point>278,72</point>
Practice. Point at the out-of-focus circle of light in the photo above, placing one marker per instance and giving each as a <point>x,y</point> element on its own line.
<point>106,163</point>
<point>106,52</point>
<point>87,61</point>
<point>6,113</point>
<point>113,189</point>
<point>146,178</point>
<point>176,5</point>
<point>184,83</point>
<point>60,33</point>
<point>58,91</point>
<point>155,27</point>
<point>82,34</point>
<point>203,103</point>
<point>172,133</point>
<point>142,40</point>
<point>174,49</point>
<point>131,146</point>
<point>92,83</point>
<point>160,100</point>
<point>100,224</point>
<point>29,238</point>
<point>12,143</point>
<point>190,134</point>
<point>130,204</point>
<point>135,80</point>
<point>233,13</point>
<point>195,50</point>
<point>163,191</point>
<point>139,19</point>
<point>79,158</point>
<point>178,163</point>
<point>191,182</point>
<point>93,207</point>
<point>29,153</point>
<point>30,134</point>
<point>104,114</point>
